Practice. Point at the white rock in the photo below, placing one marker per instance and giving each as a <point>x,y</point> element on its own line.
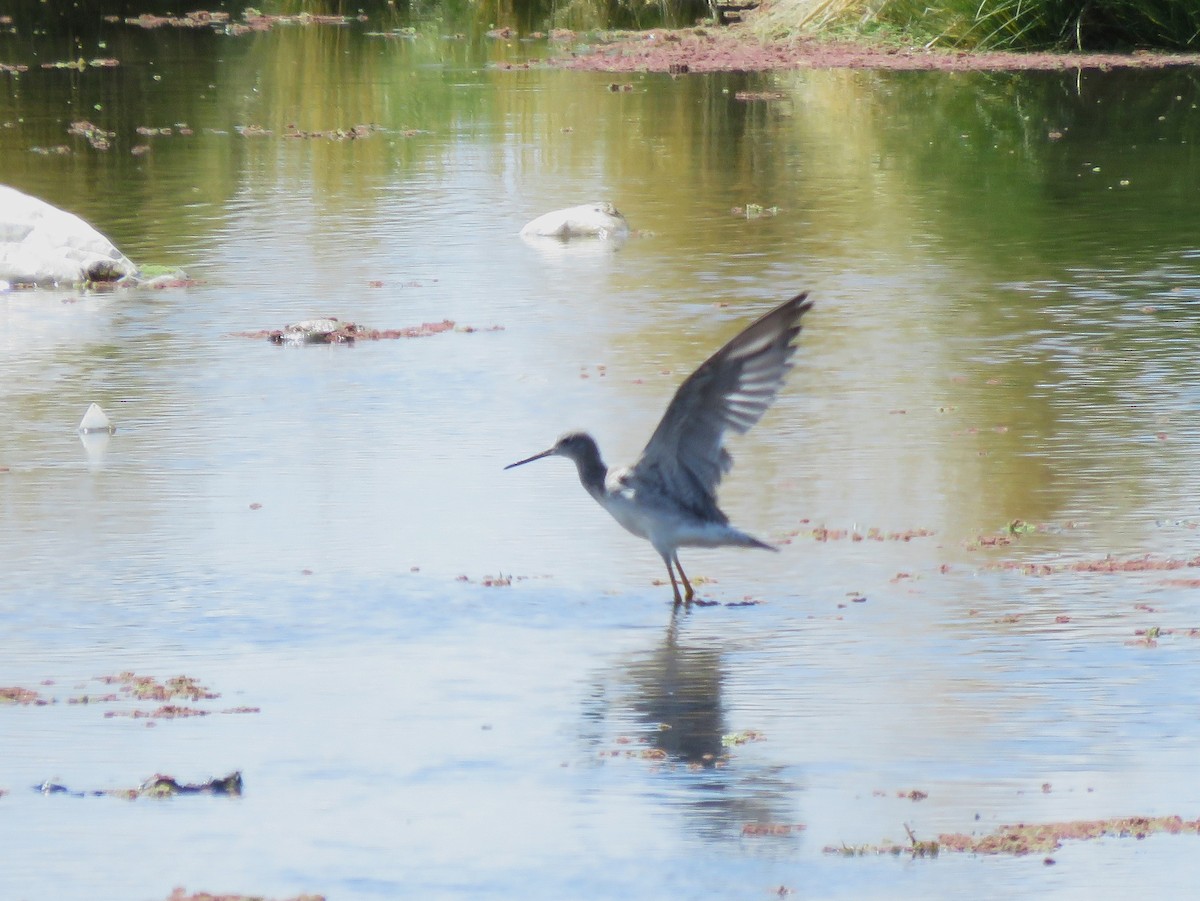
<point>310,331</point>
<point>43,245</point>
<point>313,327</point>
<point>94,420</point>
<point>590,220</point>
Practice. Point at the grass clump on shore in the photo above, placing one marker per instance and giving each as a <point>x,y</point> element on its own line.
<point>1085,25</point>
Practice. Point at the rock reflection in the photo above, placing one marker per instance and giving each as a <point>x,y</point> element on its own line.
<point>95,445</point>
<point>554,249</point>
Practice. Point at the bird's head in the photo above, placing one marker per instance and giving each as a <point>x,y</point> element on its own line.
<point>577,446</point>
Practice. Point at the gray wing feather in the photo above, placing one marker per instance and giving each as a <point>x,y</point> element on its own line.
<point>732,389</point>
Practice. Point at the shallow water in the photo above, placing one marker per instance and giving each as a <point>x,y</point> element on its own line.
<point>1006,270</point>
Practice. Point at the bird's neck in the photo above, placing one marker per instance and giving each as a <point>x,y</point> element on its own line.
<point>592,473</point>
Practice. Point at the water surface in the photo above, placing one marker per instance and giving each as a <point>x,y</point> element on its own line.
<point>1006,270</point>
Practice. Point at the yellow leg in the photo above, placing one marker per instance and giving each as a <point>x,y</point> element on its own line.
<point>688,593</point>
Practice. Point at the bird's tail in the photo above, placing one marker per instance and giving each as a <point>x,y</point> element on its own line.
<point>745,540</point>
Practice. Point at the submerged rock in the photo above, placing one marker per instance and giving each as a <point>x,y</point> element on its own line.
<point>590,220</point>
<point>45,246</point>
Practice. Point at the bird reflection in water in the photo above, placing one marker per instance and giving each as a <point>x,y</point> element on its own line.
<point>674,691</point>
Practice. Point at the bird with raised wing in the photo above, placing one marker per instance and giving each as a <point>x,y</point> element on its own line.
<point>668,496</point>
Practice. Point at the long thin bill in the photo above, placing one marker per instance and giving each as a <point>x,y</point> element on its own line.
<point>545,453</point>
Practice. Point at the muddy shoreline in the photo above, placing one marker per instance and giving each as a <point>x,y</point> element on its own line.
<point>735,49</point>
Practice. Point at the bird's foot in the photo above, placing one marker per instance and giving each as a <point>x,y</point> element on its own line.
<point>690,599</point>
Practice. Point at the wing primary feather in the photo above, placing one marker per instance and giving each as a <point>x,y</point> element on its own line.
<point>732,389</point>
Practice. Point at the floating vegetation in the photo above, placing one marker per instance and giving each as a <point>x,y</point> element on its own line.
<point>93,699</point>
<point>751,96</point>
<point>222,23</point>
<point>133,687</point>
<point>93,134</point>
<point>331,330</point>
<point>1148,638</point>
<point>643,748</point>
<point>754,211</point>
<point>352,133</point>
<point>983,541</point>
<point>772,828</point>
<point>1107,564</point>
<point>180,894</point>
<point>147,688</point>
<point>600,369</point>
<point>200,19</point>
<point>823,533</point>
<point>168,787</point>
<point>166,712</point>
<point>157,786</point>
<point>639,753</point>
<point>733,739</point>
<point>81,64</point>
<point>149,131</point>
<point>407,32</point>
<point>497,581</point>
<point>1023,838</point>
<point>1041,838</point>
<point>22,696</point>
<point>646,747</point>
<point>882,849</point>
<point>1016,528</point>
<point>914,848</point>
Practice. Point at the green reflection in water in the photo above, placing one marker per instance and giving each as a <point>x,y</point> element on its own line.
<point>1008,253</point>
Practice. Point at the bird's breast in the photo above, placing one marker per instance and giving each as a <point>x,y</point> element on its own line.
<point>620,499</point>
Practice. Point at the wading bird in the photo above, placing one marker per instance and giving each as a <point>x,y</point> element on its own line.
<point>668,496</point>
